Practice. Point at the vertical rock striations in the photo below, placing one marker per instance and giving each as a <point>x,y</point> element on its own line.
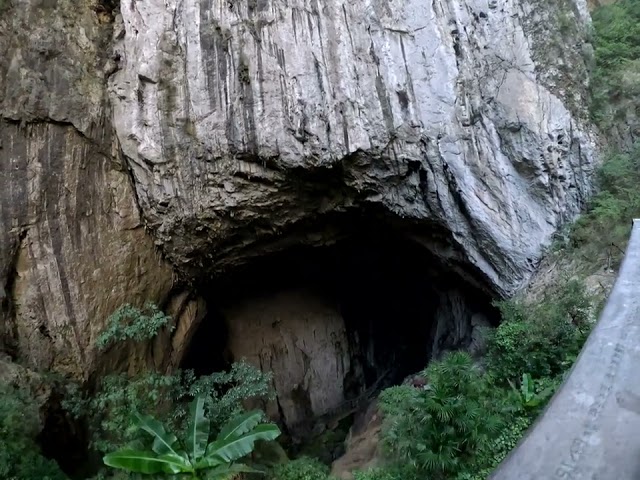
<point>72,246</point>
<point>239,127</point>
<point>245,121</point>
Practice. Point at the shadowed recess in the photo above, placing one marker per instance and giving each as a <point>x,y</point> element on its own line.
<point>336,324</point>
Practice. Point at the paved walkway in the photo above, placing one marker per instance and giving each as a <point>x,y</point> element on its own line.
<point>591,428</point>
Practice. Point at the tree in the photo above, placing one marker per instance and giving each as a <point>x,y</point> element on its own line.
<point>436,432</point>
<point>194,455</point>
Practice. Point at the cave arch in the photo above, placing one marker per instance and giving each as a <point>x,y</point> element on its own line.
<point>338,322</point>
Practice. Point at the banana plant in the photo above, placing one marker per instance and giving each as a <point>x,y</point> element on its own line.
<point>194,457</point>
<point>528,391</point>
<point>528,395</point>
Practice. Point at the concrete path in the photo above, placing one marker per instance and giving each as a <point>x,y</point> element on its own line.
<point>591,428</point>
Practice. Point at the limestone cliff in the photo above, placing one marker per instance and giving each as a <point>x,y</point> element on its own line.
<point>72,243</point>
<point>155,141</point>
<point>246,123</point>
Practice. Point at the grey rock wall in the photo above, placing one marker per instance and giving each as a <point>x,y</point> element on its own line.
<point>155,140</point>
<point>72,243</point>
<point>247,121</point>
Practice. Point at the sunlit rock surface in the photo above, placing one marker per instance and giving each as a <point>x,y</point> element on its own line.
<point>246,122</point>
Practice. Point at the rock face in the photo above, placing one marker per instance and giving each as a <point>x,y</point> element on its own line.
<point>302,339</point>
<point>363,449</point>
<point>157,140</point>
<point>72,244</point>
<point>246,123</point>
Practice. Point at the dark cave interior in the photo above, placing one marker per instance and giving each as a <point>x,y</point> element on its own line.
<point>380,295</point>
<point>389,292</point>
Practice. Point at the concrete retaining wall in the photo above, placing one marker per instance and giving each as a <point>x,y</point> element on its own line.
<point>591,428</point>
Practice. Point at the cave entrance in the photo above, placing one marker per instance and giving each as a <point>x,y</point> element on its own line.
<point>338,323</point>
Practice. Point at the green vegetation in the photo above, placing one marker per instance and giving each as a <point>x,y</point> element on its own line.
<point>161,405</point>
<point>108,409</point>
<point>541,339</point>
<point>194,454</point>
<point>131,323</point>
<point>615,95</point>
<point>303,468</point>
<point>530,396</point>
<point>20,457</point>
<point>604,229</point>
<point>468,417</point>
<point>616,80</point>
<point>439,430</point>
<point>387,473</point>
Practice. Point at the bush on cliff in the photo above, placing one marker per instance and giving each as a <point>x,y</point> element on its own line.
<point>20,456</point>
<point>131,323</point>
<point>605,227</point>
<point>540,338</point>
<point>108,410</point>
<point>615,85</point>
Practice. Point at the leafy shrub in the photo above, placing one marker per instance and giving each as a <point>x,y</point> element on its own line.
<point>108,410</point>
<point>492,453</point>
<point>539,339</point>
<point>508,410</point>
<point>225,391</point>
<point>386,473</point>
<point>443,427</point>
<point>303,468</point>
<point>607,222</point>
<point>394,401</point>
<point>617,49</point>
<point>531,395</point>
<point>508,438</point>
<point>517,347</point>
<point>516,421</point>
<point>391,472</point>
<point>20,456</point>
<point>131,323</point>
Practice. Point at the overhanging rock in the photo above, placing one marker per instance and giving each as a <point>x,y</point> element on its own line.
<point>246,125</point>
<point>590,430</point>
